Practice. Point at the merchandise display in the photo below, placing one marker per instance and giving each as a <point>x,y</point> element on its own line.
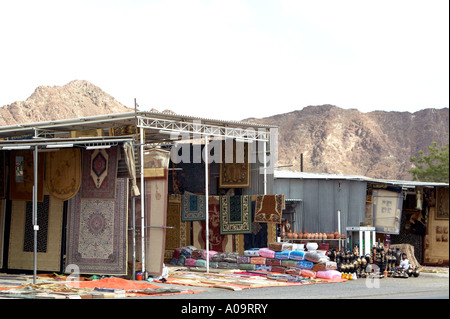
<point>382,262</point>
<point>286,261</point>
<point>290,259</point>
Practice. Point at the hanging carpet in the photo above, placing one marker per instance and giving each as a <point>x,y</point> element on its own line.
<point>156,164</point>
<point>99,173</point>
<point>235,215</point>
<point>235,169</point>
<point>189,173</point>
<point>21,240</point>
<point>63,173</point>
<point>258,237</point>
<point>22,175</point>
<point>193,207</point>
<point>217,242</point>
<point>177,236</point>
<point>97,233</point>
<point>269,208</point>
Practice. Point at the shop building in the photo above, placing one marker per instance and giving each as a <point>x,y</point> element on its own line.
<point>71,191</point>
<point>395,212</point>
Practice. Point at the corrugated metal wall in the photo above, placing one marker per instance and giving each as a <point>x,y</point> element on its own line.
<point>321,199</point>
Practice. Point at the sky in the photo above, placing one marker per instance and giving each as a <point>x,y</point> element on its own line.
<point>232,59</point>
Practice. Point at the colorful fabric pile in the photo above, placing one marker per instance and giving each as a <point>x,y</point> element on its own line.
<point>308,264</point>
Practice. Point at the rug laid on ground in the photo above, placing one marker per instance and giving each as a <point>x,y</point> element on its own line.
<point>235,214</point>
<point>239,280</point>
<point>63,173</point>
<point>97,233</point>
<point>269,208</point>
<point>193,207</point>
<point>99,173</point>
<point>139,288</point>
<point>50,220</point>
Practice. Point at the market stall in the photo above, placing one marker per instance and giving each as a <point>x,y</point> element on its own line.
<point>112,185</point>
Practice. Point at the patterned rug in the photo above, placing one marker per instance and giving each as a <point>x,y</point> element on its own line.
<point>42,220</point>
<point>217,242</point>
<point>258,237</point>
<point>235,173</point>
<point>235,215</point>
<point>21,242</point>
<point>97,233</point>
<point>63,173</point>
<point>99,171</point>
<point>269,208</point>
<point>178,236</point>
<point>193,207</point>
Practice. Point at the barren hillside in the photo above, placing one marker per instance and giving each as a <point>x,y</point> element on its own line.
<point>333,140</point>
<point>76,99</point>
<point>376,144</point>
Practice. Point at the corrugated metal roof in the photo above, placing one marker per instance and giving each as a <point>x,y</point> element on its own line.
<point>304,175</point>
<point>107,120</point>
<point>280,174</point>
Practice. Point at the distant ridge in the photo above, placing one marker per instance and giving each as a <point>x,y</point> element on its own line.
<point>377,144</point>
<point>77,98</point>
<point>333,140</point>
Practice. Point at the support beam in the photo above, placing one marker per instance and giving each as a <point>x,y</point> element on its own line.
<point>203,129</point>
<point>141,133</point>
<point>205,158</point>
<point>34,211</point>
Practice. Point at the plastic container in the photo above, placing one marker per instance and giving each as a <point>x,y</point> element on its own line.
<point>311,246</point>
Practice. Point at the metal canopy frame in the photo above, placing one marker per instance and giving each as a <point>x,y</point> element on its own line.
<point>167,126</point>
<point>54,134</point>
<point>151,120</point>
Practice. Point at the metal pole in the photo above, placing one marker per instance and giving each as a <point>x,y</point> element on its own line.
<point>207,201</point>
<point>141,132</point>
<point>339,226</point>
<point>133,213</point>
<point>361,246</point>
<point>35,225</point>
<point>301,162</point>
<point>265,166</point>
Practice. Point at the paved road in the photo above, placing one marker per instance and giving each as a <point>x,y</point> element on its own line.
<point>426,286</point>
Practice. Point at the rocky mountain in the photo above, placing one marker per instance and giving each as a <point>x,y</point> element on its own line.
<point>76,99</point>
<point>333,140</point>
<point>376,144</point>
